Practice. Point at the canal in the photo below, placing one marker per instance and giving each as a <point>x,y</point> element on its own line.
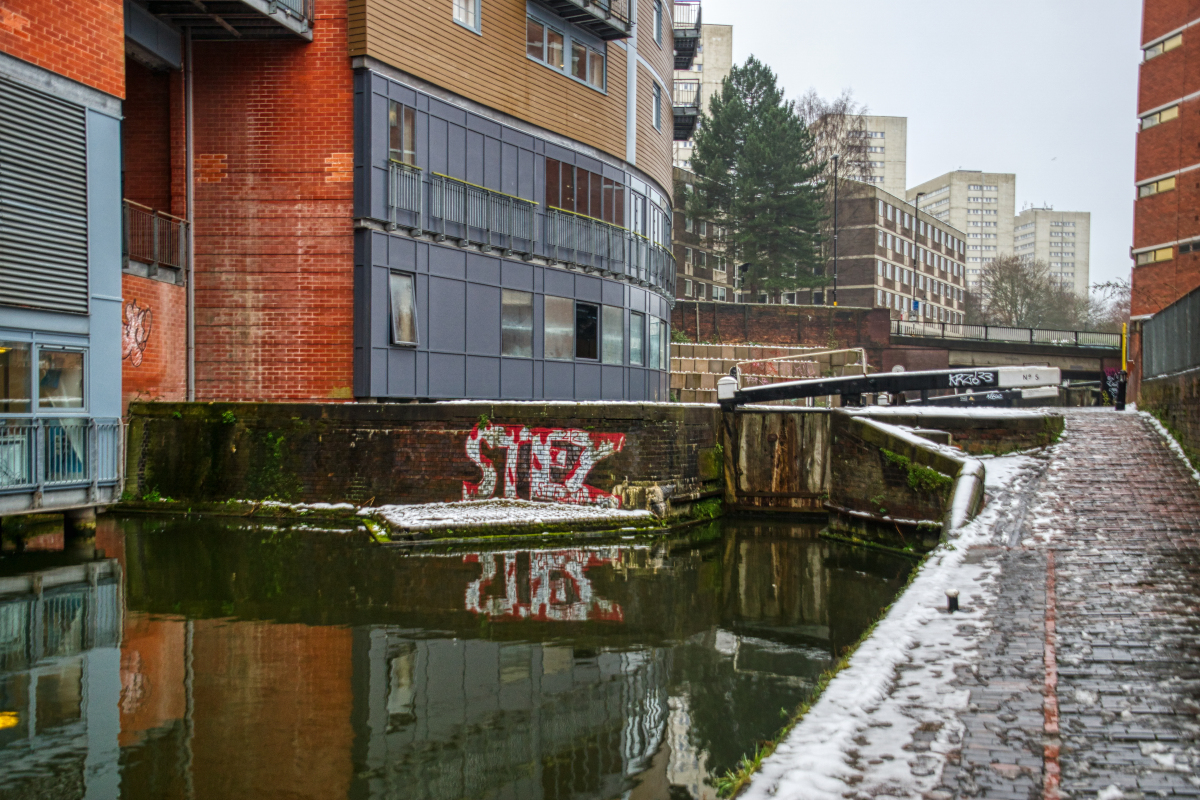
<point>209,659</point>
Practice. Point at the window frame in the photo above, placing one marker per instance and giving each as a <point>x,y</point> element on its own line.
<point>393,337</point>
<point>477,10</point>
<point>36,406</point>
<point>612,326</point>
<point>504,328</point>
<point>404,115</point>
<point>570,39</point>
<point>658,23</point>
<point>637,322</point>
<point>580,306</point>
<point>656,113</point>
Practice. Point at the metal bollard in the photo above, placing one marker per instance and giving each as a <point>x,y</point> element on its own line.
<point>952,600</point>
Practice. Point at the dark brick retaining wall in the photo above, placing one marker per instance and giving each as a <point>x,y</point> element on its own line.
<point>416,453</point>
<point>1176,402</point>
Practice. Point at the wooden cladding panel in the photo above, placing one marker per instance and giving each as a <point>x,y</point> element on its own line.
<point>661,58</point>
<point>422,39</point>
<point>654,151</point>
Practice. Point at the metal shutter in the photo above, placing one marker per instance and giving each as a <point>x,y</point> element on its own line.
<point>43,201</point>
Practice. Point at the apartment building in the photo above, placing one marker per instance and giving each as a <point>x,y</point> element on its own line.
<point>887,152</point>
<point>320,205</point>
<point>704,272</point>
<point>980,204</point>
<point>1166,229</point>
<point>61,342</point>
<point>710,67</point>
<point>891,256</point>
<point>1061,240</point>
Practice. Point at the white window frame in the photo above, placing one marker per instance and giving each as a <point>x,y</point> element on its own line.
<point>473,8</point>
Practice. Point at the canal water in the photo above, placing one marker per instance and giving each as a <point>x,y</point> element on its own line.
<point>204,659</point>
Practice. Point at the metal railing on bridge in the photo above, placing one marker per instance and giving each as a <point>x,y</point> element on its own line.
<point>1171,338</point>
<point>999,333</point>
<point>155,238</point>
<point>39,454</point>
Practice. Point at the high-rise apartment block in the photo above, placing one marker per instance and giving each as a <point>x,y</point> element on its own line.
<point>704,270</point>
<point>981,204</point>
<point>887,152</point>
<point>708,70</point>
<point>1061,240</point>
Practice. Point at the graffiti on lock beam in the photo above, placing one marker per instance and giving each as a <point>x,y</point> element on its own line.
<point>558,464</point>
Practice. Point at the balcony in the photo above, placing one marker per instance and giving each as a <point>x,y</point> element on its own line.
<point>238,20</point>
<point>608,19</point>
<point>477,215</point>
<point>154,241</point>
<point>686,102</point>
<point>610,249</point>
<point>687,32</point>
<point>48,464</point>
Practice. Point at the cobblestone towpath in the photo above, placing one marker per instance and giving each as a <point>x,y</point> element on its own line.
<point>1073,670</point>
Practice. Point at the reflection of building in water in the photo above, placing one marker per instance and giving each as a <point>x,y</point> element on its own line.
<point>687,765</point>
<point>60,630</point>
<point>545,585</point>
<point>447,718</point>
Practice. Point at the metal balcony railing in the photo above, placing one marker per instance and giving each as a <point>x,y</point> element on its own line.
<point>36,454</point>
<point>406,192</point>
<point>590,242</point>
<point>481,215</point>
<point>686,94</point>
<point>687,15</point>
<point>608,19</point>
<point>998,333</point>
<point>687,32</point>
<point>686,103</point>
<point>154,238</point>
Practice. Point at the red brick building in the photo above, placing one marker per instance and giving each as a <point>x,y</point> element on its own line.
<point>1166,237</point>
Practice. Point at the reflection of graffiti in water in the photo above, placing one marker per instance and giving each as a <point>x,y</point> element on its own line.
<point>542,585</point>
<point>135,332</point>
<point>559,462</point>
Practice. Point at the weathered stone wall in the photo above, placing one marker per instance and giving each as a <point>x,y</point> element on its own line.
<point>778,460</point>
<point>657,456</point>
<point>1175,401</point>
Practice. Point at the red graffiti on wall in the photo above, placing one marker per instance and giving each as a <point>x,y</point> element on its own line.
<point>542,585</point>
<point>558,464</point>
<point>135,332</point>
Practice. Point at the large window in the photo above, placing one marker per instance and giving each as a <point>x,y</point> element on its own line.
<point>403,308</point>
<point>466,13</point>
<point>402,133</point>
<point>637,336</point>
<point>516,324</point>
<point>60,378</point>
<point>657,107</point>
<point>16,391</point>
<point>576,189</point>
<point>658,21</point>
<point>559,328</point>
<point>587,331</point>
<point>656,343</point>
<point>550,46</point>
<point>613,329</point>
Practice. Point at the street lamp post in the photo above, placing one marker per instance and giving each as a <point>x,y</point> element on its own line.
<point>835,226</point>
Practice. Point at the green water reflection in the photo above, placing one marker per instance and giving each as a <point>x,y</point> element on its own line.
<point>216,660</point>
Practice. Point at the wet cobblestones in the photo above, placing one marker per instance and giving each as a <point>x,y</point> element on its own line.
<point>1121,516</point>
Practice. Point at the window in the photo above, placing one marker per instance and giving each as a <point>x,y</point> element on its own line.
<point>404,308</point>
<point>402,133</point>
<point>535,39</point>
<point>881,211</point>
<point>60,378</point>
<point>658,21</point>
<point>1167,114</point>
<point>597,69</point>
<point>655,343</point>
<point>637,336</point>
<point>576,189</point>
<point>587,331</point>
<point>579,61</point>
<point>688,227</point>
<point>15,373</point>
<point>559,328</point>
<point>1161,254</point>
<point>657,106</point>
<point>687,288</point>
<point>701,259</point>
<point>1147,189</point>
<point>554,48</point>
<point>1164,46</point>
<point>718,263</point>
<point>718,293</point>
<point>466,13</point>
<point>516,324</point>
<point>613,330</point>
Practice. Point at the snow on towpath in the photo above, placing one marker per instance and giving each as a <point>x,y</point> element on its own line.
<point>886,724</point>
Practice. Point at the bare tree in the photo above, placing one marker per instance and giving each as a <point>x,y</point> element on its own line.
<point>1113,299</point>
<point>840,128</point>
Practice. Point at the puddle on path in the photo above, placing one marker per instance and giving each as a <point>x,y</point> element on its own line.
<point>226,661</point>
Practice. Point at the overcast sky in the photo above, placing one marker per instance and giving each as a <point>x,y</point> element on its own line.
<point>1046,89</point>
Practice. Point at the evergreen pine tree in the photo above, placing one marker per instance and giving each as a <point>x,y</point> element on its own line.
<point>758,176</point>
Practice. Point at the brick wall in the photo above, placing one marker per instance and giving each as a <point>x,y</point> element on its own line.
<point>273,220</point>
<point>146,137</point>
<point>83,40</point>
<point>153,341</point>
<point>812,326</point>
<point>1175,401</point>
<point>415,453</point>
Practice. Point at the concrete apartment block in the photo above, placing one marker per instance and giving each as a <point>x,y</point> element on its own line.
<point>1062,239</point>
<point>981,204</point>
<point>713,61</point>
<point>887,151</point>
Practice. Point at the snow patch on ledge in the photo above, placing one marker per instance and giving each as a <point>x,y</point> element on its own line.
<point>495,514</point>
<point>1171,442</point>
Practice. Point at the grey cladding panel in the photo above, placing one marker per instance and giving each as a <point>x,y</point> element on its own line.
<point>559,282</point>
<point>515,275</point>
<point>483,323</point>
<point>491,164</point>
<point>402,372</point>
<point>447,112</point>
<point>43,202</point>
<point>612,383</point>
<point>447,306</point>
<point>483,269</point>
<point>587,381</point>
<point>509,162</point>
<point>484,126</point>
<point>446,378</point>
<point>447,262</point>
<point>560,380</point>
<point>474,156</point>
<point>516,379</point>
<point>526,176</point>
<point>483,377</point>
<point>456,152</point>
<point>614,294</point>
<point>437,145</point>
<point>587,288</point>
